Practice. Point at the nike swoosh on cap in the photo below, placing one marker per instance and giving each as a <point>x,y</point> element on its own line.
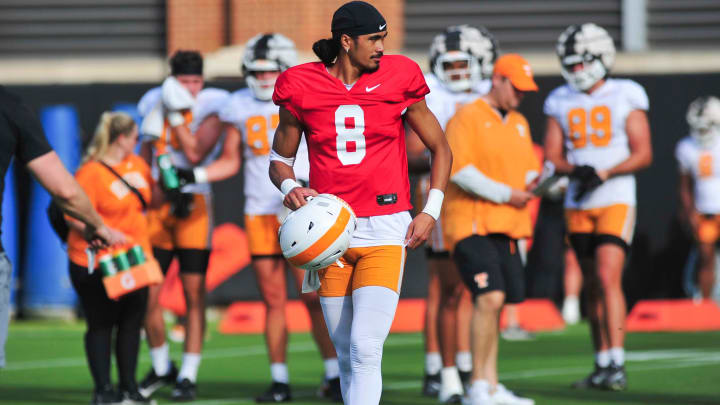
<point>369,89</point>
<point>382,27</point>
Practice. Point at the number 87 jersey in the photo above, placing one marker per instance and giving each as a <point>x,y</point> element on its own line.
<point>593,126</point>
<point>356,134</point>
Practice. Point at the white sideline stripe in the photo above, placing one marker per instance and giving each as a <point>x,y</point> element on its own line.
<point>207,354</point>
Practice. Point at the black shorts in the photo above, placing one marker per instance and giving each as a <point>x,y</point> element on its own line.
<point>191,260</point>
<point>489,263</point>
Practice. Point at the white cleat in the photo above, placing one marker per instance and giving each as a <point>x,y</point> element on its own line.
<point>503,396</point>
<point>479,394</point>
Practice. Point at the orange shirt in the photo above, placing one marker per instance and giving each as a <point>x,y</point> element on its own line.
<point>500,148</point>
<point>117,205</point>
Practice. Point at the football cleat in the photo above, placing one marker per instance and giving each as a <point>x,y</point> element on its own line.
<point>466,378</point>
<point>266,53</point>
<point>106,396</point>
<point>278,392</point>
<point>136,398</point>
<point>703,116</point>
<point>153,382</point>
<point>184,391</point>
<point>431,385</point>
<point>479,394</point>
<point>331,389</point>
<point>615,379</point>
<point>503,396</point>
<point>516,333</point>
<point>317,234</point>
<point>596,379</point>
<point>586,53</point>
<point>474,45</point>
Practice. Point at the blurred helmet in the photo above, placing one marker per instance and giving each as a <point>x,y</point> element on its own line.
<point>588,45</point>
<point>703,115</point>
<point>463,43</point>
<point>267,53</point>
<point>317,234</point>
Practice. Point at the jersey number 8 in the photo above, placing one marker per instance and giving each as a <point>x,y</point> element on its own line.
<point>600,124</point>
<point>350,128</point>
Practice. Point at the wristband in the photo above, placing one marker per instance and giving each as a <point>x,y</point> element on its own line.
<point>287,185</point>
<point>200,174</point>
<point>434,203</point>
<point>175,118</point>
<point>276,156</point>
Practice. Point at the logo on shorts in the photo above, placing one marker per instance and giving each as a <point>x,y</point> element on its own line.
<point>127,280</point>
<point>481,279</point>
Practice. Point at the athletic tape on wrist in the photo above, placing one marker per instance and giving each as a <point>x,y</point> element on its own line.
<point>200,174</point>
<point>434,203</point>
<point>287,185</point>
<point>290,161</point>
<point>175,118</point>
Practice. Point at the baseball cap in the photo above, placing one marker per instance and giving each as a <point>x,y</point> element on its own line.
<point>517,69</point>
<point>357,18</point>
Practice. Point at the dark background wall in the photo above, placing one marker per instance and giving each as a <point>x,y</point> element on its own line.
<point>660,246</point>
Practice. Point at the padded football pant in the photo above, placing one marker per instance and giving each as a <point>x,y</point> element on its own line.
<point>103,315</point>
<point>358,326</point>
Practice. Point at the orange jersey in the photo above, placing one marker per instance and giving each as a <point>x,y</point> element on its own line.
<point>500,148</point>
<point>119,207</point>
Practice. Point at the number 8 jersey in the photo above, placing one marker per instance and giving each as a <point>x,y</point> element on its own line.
<point>355,134</point>
<point>594,130</point>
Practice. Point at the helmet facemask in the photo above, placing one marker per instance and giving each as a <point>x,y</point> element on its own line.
<point>590,46</point>
<point>476,46</point>
<point>457,80</point>
<point>266,53</point>
<point>703,116</point>
<point>592,71</point>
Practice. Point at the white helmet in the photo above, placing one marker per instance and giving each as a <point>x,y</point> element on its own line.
<point>266,53</point>
<point>703,115</point>
<point>587,44</point>
<point>463,42</point>
<point>317,234</point>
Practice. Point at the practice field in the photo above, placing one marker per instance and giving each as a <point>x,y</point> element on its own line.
<point>46,365</point>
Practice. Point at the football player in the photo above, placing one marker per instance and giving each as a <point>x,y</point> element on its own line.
<point>180,120</point>
<point>351,107</point>
<point>461,62</point>
<point>598,133</point>
<point>252,118</point>
<point>698,155</point>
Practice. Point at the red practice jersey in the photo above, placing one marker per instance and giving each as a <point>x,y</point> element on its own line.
<point>356,137</point>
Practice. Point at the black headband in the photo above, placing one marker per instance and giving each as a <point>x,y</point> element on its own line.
<point>357,18</point>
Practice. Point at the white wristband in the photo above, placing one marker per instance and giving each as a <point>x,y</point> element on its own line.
<point>276,156</point>
<point>200,174</point>
<point>175,118</point>
<point>287,185</point>
<point>434,203</point>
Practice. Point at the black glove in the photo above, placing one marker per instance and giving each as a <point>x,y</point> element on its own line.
<point>181,204</point>
<point>587,178</point>
<point>185,176</point>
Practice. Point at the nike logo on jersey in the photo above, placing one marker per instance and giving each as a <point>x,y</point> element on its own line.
<point>369,89</point>
<point>382,27</point>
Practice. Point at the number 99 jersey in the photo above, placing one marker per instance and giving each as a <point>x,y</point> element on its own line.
<point>257,120</point>
<point>356,135</point>
<point>594,130</point>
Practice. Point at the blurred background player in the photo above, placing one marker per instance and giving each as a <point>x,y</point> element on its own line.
<point>486,213</point>
<point>252,118</point>
<point>461,62</point>
<point>351,107</point>
<point>180,119</point>
<point>698,156</point>
<point>598,132</point>
<point>109,156</point>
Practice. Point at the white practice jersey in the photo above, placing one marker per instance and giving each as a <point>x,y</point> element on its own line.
<point>444,103</point>
<point>209,101</point>
<point>594,129</point>
<point>703,164</point>
<point>257,120</point>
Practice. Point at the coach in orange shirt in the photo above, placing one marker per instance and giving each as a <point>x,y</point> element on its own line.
<point>485,212</point>
<point>107,162</point>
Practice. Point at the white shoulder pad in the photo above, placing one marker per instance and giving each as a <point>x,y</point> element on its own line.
<point>209,101</point>
<point>636,95</point>
<point>148,101</point>
<point>175,96</point>
<point>683,151</point>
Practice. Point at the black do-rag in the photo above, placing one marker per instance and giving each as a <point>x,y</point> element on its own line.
<point>357,18</point>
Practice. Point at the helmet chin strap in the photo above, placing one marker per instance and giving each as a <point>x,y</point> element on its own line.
<point>262,89</point>
<point>582,80</point>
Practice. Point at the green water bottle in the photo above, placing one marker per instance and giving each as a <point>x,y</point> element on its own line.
<point>120,258</point>
<point>107,266</point>
<point>167,172</point>
<point>136,255</point>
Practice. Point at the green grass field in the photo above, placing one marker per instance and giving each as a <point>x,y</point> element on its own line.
<point>46,365</point>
